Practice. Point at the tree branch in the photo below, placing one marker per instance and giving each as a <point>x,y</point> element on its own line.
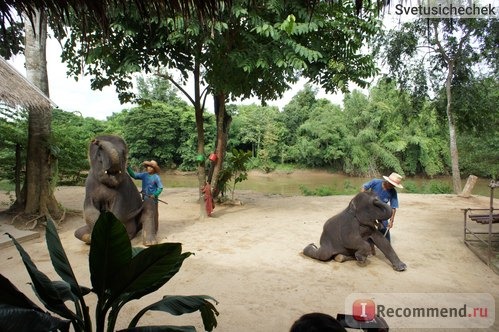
<point>440,48</point>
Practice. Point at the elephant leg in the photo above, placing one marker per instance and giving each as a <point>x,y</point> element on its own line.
<point>149,221</point>
<point>84,234</point>
<point>322,253</point>
<point>363,250</point>
<point>90,214</point>
<point>131,228</point>
<point>386,248</point>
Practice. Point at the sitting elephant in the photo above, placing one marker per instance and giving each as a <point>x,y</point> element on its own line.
<point>108,187</point>
<point>346,234</point>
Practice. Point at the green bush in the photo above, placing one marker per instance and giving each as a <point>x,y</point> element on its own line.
<point>437,187</point>
<point>410,187</point>
<point>320,191</point>
<point>6,185</point>
<point>118,273</point>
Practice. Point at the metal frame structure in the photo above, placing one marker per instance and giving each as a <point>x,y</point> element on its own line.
<point>484,242</point>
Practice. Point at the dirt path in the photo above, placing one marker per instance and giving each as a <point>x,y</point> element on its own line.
<point>248,257</point>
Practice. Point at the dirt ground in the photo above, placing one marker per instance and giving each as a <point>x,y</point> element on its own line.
<point>248,257</point>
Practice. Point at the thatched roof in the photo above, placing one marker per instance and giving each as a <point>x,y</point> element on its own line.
<point>98,11</point>
<point>16,90</point>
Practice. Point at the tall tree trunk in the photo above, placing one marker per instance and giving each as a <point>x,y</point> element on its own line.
<point>451,63</point>
<point>200,133</point>
<point>17,171</point>
<point>39,185</point>
<point>223,123</point>
<point>456,174</point>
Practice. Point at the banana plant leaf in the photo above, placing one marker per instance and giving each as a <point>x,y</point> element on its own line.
<point>60,260</point>
<point>164,328</point>
<point>110,252</point>
<point>28,320</point>
<point>45,289</point>
<point>179,305</point>
<point>19,313</point>
<point>11,295</point>
<point>148,271</point>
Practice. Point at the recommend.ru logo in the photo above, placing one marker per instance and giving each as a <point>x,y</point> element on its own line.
<point>423,310</point>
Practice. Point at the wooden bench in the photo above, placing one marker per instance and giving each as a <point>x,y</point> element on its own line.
<point>484,218</point>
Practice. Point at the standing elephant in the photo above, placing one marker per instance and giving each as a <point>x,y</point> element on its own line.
<point>109,188</point>
<point>345,235</point>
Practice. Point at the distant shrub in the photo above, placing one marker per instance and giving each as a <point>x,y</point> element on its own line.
<point>6,185</point>
<point>320,191</point>
<point>437,187</point>
<point>349,188</point>
<point>410,187</point>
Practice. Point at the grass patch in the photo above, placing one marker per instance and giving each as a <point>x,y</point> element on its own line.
<point>6,185</point>
<point>348,189</point>
<point>431,187</point>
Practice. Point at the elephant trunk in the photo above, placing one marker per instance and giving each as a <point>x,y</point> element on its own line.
<point>112,166</point>
<point>113,158</point>
<point>385,210</point>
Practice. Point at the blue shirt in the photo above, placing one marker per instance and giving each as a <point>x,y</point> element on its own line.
<point>150,182</point>
<point>387,196</point>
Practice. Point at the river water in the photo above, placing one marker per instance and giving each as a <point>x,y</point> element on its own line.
<point>293,183</point>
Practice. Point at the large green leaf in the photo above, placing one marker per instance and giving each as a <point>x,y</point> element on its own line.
<point>163,328</point>
<point>27,320</point>
<point>110,252</point>
<point>59,259</point>
<point>179,305</point>
<point>44,288</point>
<point>148,271</point>
<point>9,294</point>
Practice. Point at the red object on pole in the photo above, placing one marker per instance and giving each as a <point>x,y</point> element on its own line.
<point>208,199</point>
<point>213,157</point>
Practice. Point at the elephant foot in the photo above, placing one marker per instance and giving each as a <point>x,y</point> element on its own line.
<point>400,267</point>
<point>310,250</point>
<point>87,238</point>
<point>361,258</point>
<point>83,234</point>
<point>150,243</point>
<point>340,258</point>
<point>148,239</point>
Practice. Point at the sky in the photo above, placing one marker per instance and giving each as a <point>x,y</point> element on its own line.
<point>70,95</point>
<point>77,96</point>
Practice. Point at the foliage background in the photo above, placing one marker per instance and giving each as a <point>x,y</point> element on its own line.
<point>382,131</point>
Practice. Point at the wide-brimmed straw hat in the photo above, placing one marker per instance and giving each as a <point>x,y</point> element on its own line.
<point>394,179</point>
<point>153,164</point>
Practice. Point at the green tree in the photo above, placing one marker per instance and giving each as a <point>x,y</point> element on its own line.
<point>477,120</point>
<point>37,196</point>
<point>152,132</point>
<point>321,139</point>
<point>384,135</point>
<point>14,128</point>
<point>71,135</point>
<point>248,51</point>
<point>448,49</point>
<point>297,111</point>
<point>157,88</point>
